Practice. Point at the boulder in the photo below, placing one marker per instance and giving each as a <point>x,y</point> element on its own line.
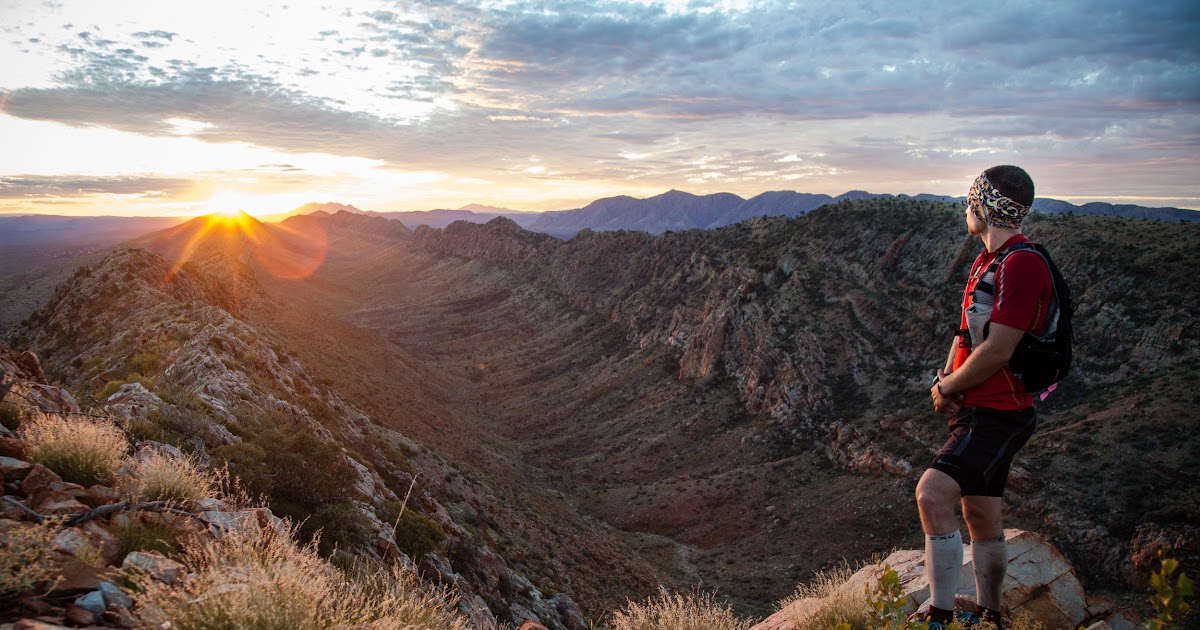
<point>98,495</point>
<point>57,503</point>
<point>78,616</point>
<point>1040,582</point>
<point>12,447</point>
<point>38,478</point>
<point>92,602</point>
<point>133,400</point>
<point>114,597</point>
<point>14,469</point>
<point>158,566</point>
<point>220,523</point>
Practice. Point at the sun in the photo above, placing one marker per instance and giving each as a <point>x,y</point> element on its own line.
<point>229,205</point>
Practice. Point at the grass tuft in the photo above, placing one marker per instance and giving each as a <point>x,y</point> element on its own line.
<point>824,602</point>
<point>673,611</point>
<point>163,477</point>
<point>259,579</point>
<point>138,535</point>
<point>26,557</point>
<point>81,450</point>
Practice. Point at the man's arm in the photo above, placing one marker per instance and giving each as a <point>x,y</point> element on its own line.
<point>949,367</point>
<point>985,360</point>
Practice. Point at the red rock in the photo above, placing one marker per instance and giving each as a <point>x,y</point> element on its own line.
<point>12,447</point>
<point>120,617</point>
<point>79,576</point>
<point>72,489</point>
<point>55,503</point>
<point>532,625</point>
<point>98,495</point>
<point>39,478</point>
<point>80,617</point>
<point>14,469</point>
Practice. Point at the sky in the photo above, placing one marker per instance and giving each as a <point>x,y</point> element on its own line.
<point>182,108</point>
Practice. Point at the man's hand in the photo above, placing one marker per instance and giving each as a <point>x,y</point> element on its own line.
<point>944,404</point>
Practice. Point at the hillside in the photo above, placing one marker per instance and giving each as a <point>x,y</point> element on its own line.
<point>734,407</point>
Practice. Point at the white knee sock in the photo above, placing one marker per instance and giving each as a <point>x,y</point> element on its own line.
<point>943,565</point>
<point>990,558</point>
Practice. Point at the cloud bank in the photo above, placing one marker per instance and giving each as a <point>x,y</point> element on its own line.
<point>545,101</point>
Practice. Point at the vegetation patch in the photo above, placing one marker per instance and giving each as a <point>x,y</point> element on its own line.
<point>674,611</point>
<point>259,579</point>
<point>162,477</point>
<point>26,558</point>
<point>81,450</point>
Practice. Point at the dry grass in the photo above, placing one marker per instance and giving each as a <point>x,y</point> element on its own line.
<point>162,477</point>
<point>672,611</point>
<point>824,602</point>
<point>26,557</point>
<point>80,449</point>
<point>263,581</point>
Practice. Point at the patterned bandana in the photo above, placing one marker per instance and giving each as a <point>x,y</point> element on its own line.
<point>1001,211</point>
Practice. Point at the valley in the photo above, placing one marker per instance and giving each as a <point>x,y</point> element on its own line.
<point>729,409</point>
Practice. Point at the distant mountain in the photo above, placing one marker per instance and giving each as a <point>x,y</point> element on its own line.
<point>30,241</point>
<point>473,213</point>
<point>328,207</point>
<point>673,210</point>
<point>677,210</point>
<point>378,224</point>
<point>776,203</point>
<point>1128,211</point>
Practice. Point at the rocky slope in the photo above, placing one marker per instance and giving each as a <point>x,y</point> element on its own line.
<point>734,407</point>
<point>828,326</point>
<point>165,346</point>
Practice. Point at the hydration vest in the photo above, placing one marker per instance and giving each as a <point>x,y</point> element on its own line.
<point>1039,361</point>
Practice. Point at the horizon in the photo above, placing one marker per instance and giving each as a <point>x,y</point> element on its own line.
<point>272,216</point>
<point>185,111</point>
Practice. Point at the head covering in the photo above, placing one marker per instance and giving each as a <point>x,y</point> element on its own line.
<point>992,207</point>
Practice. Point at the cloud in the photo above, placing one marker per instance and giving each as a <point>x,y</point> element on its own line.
<point>29,186</point>
<point>460,87</point>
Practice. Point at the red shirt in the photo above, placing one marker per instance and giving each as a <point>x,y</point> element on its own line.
<point>1023,294</point>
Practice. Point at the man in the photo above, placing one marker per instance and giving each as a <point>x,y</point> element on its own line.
<point>991,414</point>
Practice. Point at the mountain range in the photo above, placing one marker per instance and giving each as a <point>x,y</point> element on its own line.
<point>589,419</point>
<point>677,210</point>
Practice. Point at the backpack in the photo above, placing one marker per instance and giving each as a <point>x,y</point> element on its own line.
<point>1039,361</point>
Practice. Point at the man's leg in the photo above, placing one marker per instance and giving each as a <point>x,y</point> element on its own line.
<point>989,552</point>
<point>937,494</point>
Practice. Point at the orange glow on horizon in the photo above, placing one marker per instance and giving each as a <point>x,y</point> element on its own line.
<point>290,252</point>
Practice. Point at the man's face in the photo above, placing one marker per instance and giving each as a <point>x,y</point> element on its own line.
<point>975,227</point>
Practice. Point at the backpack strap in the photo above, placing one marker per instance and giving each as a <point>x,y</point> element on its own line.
<point>1053,312</point>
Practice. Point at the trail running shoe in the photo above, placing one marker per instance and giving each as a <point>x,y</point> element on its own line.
<point>967,619</point>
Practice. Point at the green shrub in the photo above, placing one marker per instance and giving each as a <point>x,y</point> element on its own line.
<point>340,525</point>
<point>417,535</point>
<point>138,535</point>
<point>10,416</point>
<point>245,462</point>
<point>1169,600</point>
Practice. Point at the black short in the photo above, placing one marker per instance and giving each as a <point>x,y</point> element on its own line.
<point>981,448</point>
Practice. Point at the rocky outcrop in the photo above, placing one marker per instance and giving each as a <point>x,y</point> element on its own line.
<point>203,370</point>
<point>1041,583</point>
<point>830,323</point>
